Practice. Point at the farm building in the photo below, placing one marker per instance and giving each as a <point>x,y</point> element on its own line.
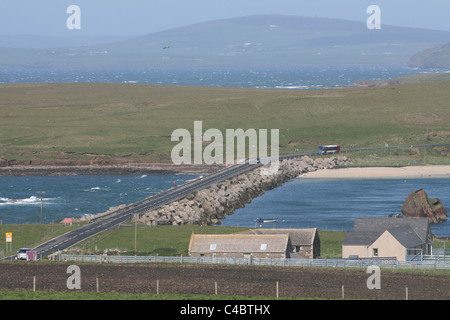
<point>305,242</point>
<point>240,245</point>
<point>400,238</point>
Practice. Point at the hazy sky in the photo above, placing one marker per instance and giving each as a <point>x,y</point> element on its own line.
<point>140,17</point>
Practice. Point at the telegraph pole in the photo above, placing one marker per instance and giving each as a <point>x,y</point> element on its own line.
<point>42,204</point>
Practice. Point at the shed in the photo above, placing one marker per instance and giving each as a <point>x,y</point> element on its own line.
<point>240,245</point>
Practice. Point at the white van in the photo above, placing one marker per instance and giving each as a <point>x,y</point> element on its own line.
<point>22,253</point>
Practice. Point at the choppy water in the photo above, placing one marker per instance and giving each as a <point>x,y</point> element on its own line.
<point>75,196</point>
<point>301,77</point>
<point>328,204</point>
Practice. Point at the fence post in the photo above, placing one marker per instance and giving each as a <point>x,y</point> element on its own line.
<point>215,288</point>
<point>157,286</point>
<point>277,290</point>
<point>343,294</point>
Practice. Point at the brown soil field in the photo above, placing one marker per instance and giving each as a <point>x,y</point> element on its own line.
<point>231,280</point>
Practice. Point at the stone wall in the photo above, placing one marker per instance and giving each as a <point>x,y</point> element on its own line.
<point>208,206</point>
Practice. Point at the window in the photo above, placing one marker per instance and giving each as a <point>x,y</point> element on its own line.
<point>375,252</point>
<point>213,246</point>
<point>263,246</point>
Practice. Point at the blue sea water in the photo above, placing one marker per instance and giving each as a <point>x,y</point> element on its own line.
<point>332,204</point>
<point>75,196</point>
<point>328,204</point>
<point>295,77</point>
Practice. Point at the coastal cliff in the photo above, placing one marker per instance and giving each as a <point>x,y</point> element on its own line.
<point>435,57</point>
<point>208,206</point>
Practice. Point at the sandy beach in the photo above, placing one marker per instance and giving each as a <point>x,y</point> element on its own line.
<point>442,171</point>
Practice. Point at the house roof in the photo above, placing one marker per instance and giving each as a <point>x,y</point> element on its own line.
<point>241,243</point>
<point>360,238</point>
<point>299,237</point>
<point>406,236</point>
<point>367,230</point>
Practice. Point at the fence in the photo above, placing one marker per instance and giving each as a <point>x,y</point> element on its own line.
<point>428,263</point>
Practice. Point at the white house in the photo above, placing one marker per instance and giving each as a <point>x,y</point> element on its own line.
<point>398,238</point>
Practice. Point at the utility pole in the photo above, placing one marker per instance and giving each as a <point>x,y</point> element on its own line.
<point>42,205</point>
<point>135,234</point>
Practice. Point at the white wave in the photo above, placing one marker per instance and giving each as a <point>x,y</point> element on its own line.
<point>92,189</point>
<point>33,200</point>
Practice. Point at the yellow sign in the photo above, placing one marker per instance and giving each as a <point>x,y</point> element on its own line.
<point>9,237</point>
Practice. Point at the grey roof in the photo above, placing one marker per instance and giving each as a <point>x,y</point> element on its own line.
<point>406,236</point>
<point>358,238</point>
<point>238,243</point>
<point>367,230</point>
<point>299,237</point>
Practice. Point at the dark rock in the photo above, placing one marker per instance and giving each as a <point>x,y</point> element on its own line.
<point>418,205</point>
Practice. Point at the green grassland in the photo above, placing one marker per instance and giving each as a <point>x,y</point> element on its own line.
<point>31,235</point>
<point>101,123</point>
<point>160,240</point>
<point>68,295</point>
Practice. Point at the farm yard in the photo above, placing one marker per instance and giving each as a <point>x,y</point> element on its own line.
<point>253,281</point>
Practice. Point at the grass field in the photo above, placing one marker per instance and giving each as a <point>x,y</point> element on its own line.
<point>68,295</point>
<point>96,123</point>
<point>161,240</point>
<point>31,235</point>
<point>174,241</point>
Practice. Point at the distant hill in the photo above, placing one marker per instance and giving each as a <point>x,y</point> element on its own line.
<point>262,40</point>
<point>436,57</point>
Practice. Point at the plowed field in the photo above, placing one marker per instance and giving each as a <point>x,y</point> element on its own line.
<point>231,280</point>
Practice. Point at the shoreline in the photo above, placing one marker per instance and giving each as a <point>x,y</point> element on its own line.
<point>117,169</point>
<point>418,172</point>
<point>427,171</point>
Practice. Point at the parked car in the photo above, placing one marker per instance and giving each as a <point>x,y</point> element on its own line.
<point>22,253</point>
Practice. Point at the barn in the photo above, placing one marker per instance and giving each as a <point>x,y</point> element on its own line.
<point>305,242</point>
<point>400,238</point>
<point>240,245</point>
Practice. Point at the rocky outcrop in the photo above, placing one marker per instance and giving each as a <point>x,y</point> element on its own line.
<point>418,205</point>
<point>208,206</point>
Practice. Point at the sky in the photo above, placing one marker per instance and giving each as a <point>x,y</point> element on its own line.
<point>141,17</point>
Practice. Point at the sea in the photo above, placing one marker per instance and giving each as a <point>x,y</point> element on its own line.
<point>295,77</point>
<point>328,204</point>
